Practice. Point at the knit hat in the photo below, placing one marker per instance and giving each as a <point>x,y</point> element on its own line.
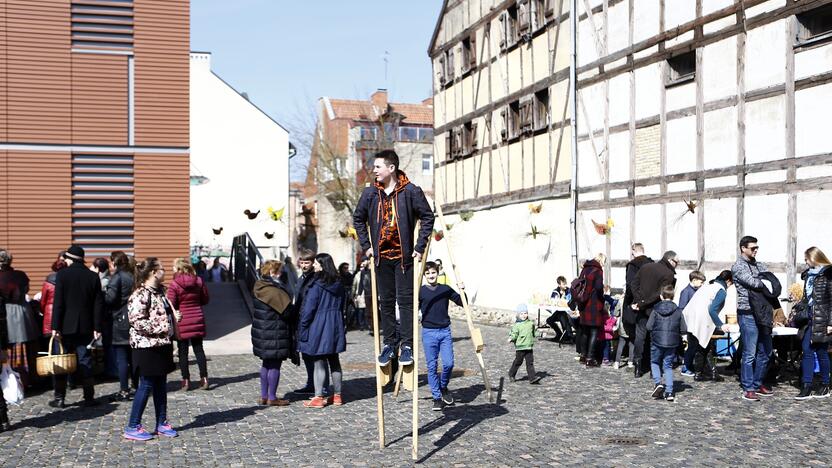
<point>74,252</point>
<point>520,309</point>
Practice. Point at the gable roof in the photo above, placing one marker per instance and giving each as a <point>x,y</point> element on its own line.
<point>436,28</point>
<point>416,114</point>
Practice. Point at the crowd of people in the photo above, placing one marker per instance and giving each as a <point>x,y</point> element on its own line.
<point>656,334</point>
<point>114,314</point>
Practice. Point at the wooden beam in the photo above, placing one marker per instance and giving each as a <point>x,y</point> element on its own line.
<point>791,172</point>
<point>662,135</point>
<point>559,190</point>
<point>741,168</point>
<point>700,137</point>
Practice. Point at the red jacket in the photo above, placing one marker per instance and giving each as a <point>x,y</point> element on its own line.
<point>593,313</point>
<point>188,294</point>
<point>47,298</point>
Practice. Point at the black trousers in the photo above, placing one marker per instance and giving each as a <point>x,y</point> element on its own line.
<point>589,341</point>
<point>196,343</point>
<point>641,349</point>
<point>519,356</point>
<point>77,344</point>
<point>395,286</point>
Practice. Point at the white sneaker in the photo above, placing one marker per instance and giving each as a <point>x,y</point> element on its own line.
<point>630,365</point>
<point>616,365</point>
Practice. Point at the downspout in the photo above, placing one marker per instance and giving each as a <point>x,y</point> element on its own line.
<point>573,183</point>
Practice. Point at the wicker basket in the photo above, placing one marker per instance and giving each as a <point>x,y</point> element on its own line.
<point>56,364</point>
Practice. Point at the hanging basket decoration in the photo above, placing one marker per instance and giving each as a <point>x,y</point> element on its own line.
<point>466,215</point>
<point>276,215</point>
<point>438,235</point>
<point>535,209</point>
<point>604,229</point>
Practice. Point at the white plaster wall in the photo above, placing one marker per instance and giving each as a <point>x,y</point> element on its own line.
<point>814,210</point>
<point>812,62</point>
<point>648,229</point>
<point>765,134</point>
<point>620,99</point>
<point>811,121</point>
<point>765,59</point>
<point>646,19</point>
<point>619,156</point>
<point>681,230</point>
<point>588,47</point>
<point>244,154</point>
<point>765,219</point>
<point>719,69</point>
<point>681,96</point>
<point>482,245</point>
<point>589,241</point>
<point>619,27</point>
<point>678,12</point>
<point>720,138</point>
<point>648,82</point>
<point>681,145</point>
<point>720,229</point>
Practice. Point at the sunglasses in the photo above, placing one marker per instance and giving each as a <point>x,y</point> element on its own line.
<point>753,249</point>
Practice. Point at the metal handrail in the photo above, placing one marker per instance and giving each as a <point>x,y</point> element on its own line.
<point>246,260</point>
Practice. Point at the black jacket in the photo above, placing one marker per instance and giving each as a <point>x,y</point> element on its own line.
<point>820,313</point>
<point>4,332</point>
<point>411,206</point>
<point>666,325</point>
<point>78,307</point>
<point>763,302</point>
<point>304,283</point>
<point>116,297</point>
<point>632,268</point>
<point>272,335</point>
<point>648,284</point>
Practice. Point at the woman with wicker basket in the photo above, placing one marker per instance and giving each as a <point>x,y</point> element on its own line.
<point>152,326</point>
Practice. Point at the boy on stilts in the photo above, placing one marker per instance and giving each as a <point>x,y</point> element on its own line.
<point>392,206</point>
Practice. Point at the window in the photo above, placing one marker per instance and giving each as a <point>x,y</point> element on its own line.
<point>513,124</point>
<point>456,143</point>
<point>538,18</point>
<point>469,52</point>
<point>425,134</point>
<point>508,27</point>
<point>408,133</point>
<point>367,133</point>
<point>442,70</point>
<point>427,163</point>
<point>549,8</point>
<point>524,19</point>
<point>389,132</point>
<point>681,68</point>
<point>469,138</point>
<point>102,25</point>
<point>526,115</point>
<point>541,109</point>
<point>814,26</point>
<point>449,60</point>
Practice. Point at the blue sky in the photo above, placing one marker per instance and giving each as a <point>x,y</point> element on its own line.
<point>286,54</point>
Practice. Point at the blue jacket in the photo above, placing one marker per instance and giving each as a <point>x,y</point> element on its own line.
<point>666,325</point>
<point>411,206</point>
<point>686,295</point>
<point>321,329</point>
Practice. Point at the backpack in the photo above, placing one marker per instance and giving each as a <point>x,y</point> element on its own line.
<point>580,290</point>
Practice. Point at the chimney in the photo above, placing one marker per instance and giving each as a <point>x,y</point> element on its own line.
<point>379,100</point>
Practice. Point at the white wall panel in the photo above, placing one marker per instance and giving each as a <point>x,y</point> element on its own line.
<point>721,230</point>
<point>681,145</point>
<point>765,130</point>
<point>765,219</point>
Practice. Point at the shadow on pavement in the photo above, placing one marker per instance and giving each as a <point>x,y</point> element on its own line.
<point>70,414</point>
<point>220,417</point>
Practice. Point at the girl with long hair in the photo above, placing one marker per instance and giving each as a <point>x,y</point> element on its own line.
<point>187,294</point>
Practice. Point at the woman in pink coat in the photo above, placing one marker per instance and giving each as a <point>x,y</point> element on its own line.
<point>187,293</point>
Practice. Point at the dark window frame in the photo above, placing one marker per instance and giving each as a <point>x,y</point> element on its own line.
<point>681,69</point>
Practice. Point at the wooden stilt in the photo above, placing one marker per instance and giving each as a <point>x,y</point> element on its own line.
<point>417,285</point>
<point>377,344</point>
<point>476,334</point>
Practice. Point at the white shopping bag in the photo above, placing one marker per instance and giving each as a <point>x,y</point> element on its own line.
<point>11,385</point>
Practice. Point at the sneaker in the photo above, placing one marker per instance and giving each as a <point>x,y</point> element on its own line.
<point>122,396</point>
<point>750,396</point>
<point>203,383</point>
<point>821,392</point>
<point>137,433</point>
<point>447,398</point>
<point>166,430</point>
<point>606,362</point>
<point>438,405</point>
<point>305,391</point>
<point>765,391</point>
<point>185,385</point>
<point>57,403</point>
<point>658,391</point>
<point>805,393</point>
<point>669,396</point>
<point>315,402</point>
<point>336,400</point>
<point>385,356</point>
<point>688,373</point>
<point>616,365</point>
<point>630,365</point>
<point>535,380</point>
<point>405,356</point>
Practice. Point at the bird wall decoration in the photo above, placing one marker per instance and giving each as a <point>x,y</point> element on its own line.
<point>250,214</point>
<point>466,215</point>
<point>276,215</point>
<point>438,235</point>
<point>217,231</point>
<point>535,209</point>
<point>269,235</point>
<point>603,229</point>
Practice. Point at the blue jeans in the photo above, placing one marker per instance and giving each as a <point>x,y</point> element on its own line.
<point>756,349</point>
<point>606,349</point>
<point>661,362</point>
<point>438,342</point>
<point>150,385</point>
<point>123,364</point>
<point>810,350</point>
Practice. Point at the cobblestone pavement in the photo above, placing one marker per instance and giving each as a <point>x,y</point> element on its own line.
<point>570,419</point>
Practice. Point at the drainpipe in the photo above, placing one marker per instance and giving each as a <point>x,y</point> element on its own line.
<point>573,82</point>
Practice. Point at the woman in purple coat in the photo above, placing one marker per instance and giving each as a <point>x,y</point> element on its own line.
<point>321,332</point>
<point>187,294</point>
<point>592,313</point>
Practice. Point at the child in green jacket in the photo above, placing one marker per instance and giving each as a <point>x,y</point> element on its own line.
<point>522,335</point>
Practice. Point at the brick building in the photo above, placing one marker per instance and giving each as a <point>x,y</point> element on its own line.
<point>93,128</point>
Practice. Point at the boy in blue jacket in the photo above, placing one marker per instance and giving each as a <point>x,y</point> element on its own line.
<point>434,300</point>
<point>666,326</point>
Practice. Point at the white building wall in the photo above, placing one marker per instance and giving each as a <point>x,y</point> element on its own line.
<point>244,154</point>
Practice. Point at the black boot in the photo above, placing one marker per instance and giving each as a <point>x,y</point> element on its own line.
<point>805,392</point>
<point>89,393</point>
<point>702,377</point>
<point>5,425</point>
<point>60,392</point>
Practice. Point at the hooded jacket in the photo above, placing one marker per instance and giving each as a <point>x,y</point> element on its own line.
<point>408,206</point>
<point>820,313</point>
<point>633,266</point>
<point>116,298</point>
<point>666,325</point>
<point>321,327</point>
<point>272,336</point>
<point>763,301</point>
<point>188,294</point>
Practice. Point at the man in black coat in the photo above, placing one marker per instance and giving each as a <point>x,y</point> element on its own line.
<point>77,319</point>
<point>629,316</point>
<point>647,286</point>
<point>385,220</point>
